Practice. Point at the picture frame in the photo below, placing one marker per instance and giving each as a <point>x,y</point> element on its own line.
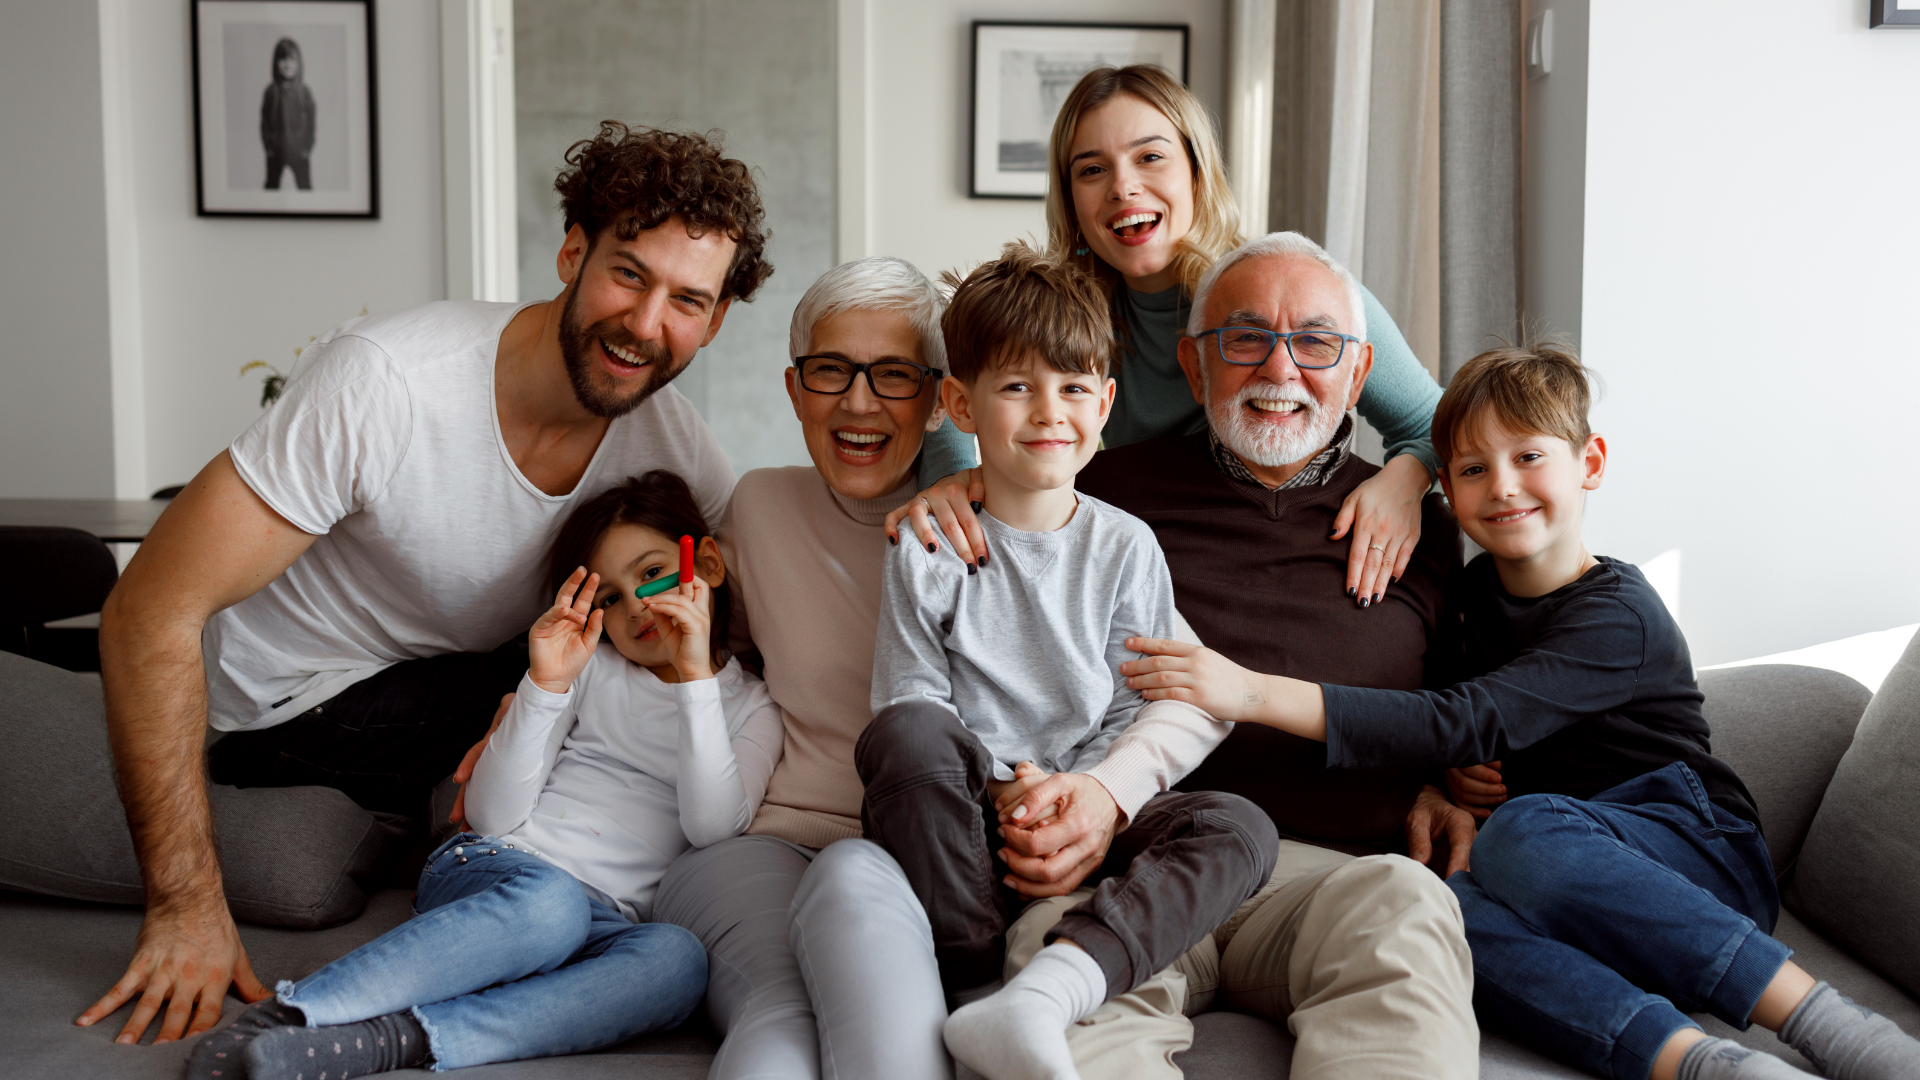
<point>285,108</point>
<point>1894,13</point>
<point>1020,73</point>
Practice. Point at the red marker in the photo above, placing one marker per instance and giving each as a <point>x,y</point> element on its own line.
<point>686,560</point>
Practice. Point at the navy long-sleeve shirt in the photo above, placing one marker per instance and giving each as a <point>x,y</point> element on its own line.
<point>1574,692</point>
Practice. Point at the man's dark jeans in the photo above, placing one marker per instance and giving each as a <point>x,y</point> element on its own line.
<point>1180,868</point>
<point>386,740</point>
<point>1597,925</point>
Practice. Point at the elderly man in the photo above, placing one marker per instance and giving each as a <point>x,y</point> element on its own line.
<point>1361,951</point>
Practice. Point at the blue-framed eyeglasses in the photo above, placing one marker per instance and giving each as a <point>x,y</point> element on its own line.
<point>1250,346</point>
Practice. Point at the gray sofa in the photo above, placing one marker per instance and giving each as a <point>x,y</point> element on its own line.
<point>1852,912</point>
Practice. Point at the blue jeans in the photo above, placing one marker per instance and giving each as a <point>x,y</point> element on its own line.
<point>1596,925</point>
<point>507,957</point>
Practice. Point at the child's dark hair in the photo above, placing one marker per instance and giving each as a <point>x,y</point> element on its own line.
<point>1537,389</point>
<point>660,501</point>
<point>1026,302</point>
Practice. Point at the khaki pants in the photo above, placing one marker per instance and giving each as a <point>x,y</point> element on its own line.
<point>1364,958</point>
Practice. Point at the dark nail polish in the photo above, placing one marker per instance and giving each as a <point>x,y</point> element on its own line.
<point>983,559</point>
<point>892,540</point>
<point>1395,580</point>
<point>976,504</point>
<point>1376,598</point>
<point>931,546</point>
<point>972,569</point>
<point>1365,601</point>
<point>1352,592</point>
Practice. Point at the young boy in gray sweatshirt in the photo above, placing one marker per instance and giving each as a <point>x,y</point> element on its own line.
<point>1007,756</point>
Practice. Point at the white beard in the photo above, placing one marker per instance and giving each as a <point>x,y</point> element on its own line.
<point>1267,445</point>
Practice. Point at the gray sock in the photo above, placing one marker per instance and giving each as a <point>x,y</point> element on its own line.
<point>1724,1059</point>
<point>338,1051</point>
<point>221,1055</point>
<point>1847,1041</point>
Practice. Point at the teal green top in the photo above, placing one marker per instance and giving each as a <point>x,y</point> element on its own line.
<point>1154,399</point>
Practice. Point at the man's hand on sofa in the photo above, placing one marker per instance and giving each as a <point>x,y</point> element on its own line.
<point>1477,789</point>
<point>1433,816</point>
<point>465,772</point>
<point>1053,856</point>
<point>185,957</point>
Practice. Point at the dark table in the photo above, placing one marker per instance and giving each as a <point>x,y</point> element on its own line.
<point>125,521</point>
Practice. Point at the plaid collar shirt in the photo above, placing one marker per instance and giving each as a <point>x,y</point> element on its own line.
<point>1318,471</point>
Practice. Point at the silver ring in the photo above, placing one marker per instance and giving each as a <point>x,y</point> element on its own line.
<point>926,503</point>
<point>1376,547</point>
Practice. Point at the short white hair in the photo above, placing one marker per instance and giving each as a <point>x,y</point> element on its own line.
<point>1280,243</point>
<point>875,283</point>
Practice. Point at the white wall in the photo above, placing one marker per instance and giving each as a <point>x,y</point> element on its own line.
<point>56,426</point>
<point>917,206</point>
<point>125,318</point>
<point>215,293</point>
<point>1749,288</point>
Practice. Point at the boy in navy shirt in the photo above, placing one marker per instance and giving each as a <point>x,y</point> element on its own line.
<point>1625,881</point>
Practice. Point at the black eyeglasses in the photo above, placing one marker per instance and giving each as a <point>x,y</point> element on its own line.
<point>1249,346</point>
<point>895,379</point>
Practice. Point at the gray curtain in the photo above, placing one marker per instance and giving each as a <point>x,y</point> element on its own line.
<point>1479,177</point>
<point>1412,146</point>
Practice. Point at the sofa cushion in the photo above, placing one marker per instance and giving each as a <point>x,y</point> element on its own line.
<point>1858,878</point>
<point>300,857</point>
<point>1783,728</point>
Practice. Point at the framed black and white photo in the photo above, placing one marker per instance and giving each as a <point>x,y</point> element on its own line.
<point>1894,13</point>
<point>285,122</point>
<point>1022,71</point>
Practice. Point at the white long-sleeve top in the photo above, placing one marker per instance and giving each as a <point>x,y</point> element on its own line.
<point>613,779</point>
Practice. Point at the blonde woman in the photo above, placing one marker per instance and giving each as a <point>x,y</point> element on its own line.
<point>1138,195</point>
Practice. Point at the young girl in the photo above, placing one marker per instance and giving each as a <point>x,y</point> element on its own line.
<point>529,936</point>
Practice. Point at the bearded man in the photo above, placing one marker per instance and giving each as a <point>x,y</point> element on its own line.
<point>332,590</point>
<point>1359,949</point>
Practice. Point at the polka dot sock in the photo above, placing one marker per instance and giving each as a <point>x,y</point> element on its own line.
<point>338,1052</point>
<point>221,1055</point>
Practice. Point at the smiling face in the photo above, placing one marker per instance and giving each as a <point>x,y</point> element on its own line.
<point>1277,416</point>
<point>1522,496</point>
<point>864,445</point>
<point>637,310</point>
<point>1132,189</point>
<point>630,556</point>
<point>1037,427</point>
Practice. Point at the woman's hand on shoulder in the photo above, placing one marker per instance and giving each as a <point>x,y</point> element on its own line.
<point>1383,515</point>
<point>949,508</point>
<point>563,639</point>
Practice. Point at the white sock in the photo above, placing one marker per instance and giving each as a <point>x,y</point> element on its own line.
<point>1020,1033</point>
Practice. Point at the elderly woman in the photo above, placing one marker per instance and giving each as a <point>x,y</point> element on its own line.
<point>821,957</point>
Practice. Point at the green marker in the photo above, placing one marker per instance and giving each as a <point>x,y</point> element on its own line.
<point>657,585</point>
<point>660,585</point>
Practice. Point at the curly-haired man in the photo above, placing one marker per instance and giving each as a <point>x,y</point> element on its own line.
<point>332,591</point>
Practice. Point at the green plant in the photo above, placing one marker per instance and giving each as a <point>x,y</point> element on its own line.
<point>273,385</point>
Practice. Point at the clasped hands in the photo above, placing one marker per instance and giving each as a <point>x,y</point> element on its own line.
<point>1057,827</point>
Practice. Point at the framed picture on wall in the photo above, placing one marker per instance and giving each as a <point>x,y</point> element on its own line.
<point>285,122</point>
<point>1022,71</point>
<point>1894,13</point>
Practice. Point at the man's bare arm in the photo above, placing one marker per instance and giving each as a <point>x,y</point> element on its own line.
<point>216,545</point>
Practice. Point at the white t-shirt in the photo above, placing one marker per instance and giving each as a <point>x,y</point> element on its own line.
<point>614,779</point>
<point>387,447</point>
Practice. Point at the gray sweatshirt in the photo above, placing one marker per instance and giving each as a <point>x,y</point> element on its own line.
<point>1027,652</point>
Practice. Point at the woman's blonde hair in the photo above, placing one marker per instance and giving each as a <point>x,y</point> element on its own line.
<point>1216,216</point>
